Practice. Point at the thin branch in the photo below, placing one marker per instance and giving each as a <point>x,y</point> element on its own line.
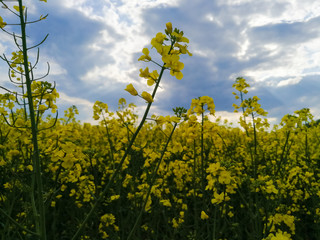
<point>16,41</point>
<point>8,90</point>
<point>54,123</point>
<point>45,75</point>
<point>43,40</point>
<point>17,224</point>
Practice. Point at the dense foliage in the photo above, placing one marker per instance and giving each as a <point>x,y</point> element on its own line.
<point>214,181</point>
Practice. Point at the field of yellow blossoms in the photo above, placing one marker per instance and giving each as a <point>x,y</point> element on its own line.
<point>213,182</point>
<point>186,176</point>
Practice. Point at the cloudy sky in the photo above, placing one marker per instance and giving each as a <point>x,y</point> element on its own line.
<point>93,47</point>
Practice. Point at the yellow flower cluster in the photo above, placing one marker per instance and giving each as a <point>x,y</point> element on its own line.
<point>2,23</point>
<point>80,158</point>
<point>197,105</point>
<point>170,55</point>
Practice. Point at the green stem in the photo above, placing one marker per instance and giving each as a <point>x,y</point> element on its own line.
<point>281,162</point>
<point>117,170</point>
<point>214,223</point>
<point>195,202</point>
<point>17,224</point>
<point>33,202</point>
<point>202,150</point>
<point>255,147</point>
<point>36,158</point>
<point>151,184</point>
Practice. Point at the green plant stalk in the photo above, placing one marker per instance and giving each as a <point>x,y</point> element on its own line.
<point>247,133</point>
<point>255,147</point>
<point>214,223</point>
<point>33,202</point>
<point>17,224</point>
<point>307,153</point>
<point>255,176</point>
<point>283,151</point>
<point>243,111</point>
<point>117,170</point>
<point>151,184</point>
<point>110,142</point>
<point>7,226</point>
<point>202,150</point>
<point>194,189</point>
<point>36,157</point>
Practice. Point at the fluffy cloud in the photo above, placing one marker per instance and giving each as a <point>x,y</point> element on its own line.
<point>93,48</point>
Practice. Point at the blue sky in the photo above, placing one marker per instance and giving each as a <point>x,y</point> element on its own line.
<point>93,47</point>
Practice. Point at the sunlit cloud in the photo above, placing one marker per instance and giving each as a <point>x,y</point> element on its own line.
<point>93,47</point>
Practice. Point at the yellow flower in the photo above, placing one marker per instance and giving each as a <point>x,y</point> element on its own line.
<point>114,197</point>
<point>165,202</point>
<point>18,9</point>
<point>280,236</point>
<point>204,215</point>
<point>29,167</point>
<point>214,168</point>
<point>146,56</point>
<point>172,62</point>
<point>42,108</point>
<point>108,219</point>
<point>230,214</point>
<point>219,198</point>
<point>175,223</point>
<point>175,119</point>
<point>10,105</point>
<point>131,90</point>
<point>8,185</point>
<point>270,188</point>
<point>144,73</point>
<point>157,42</point>
<point>72,192</point>
<point>67,162</point>
<point>150,82</point>
<point>177,74</point>
<point>225,177</point>
<point>147,96</point>
<point>19,122</point>
<point>179,37</point>
<point>42,17</point>
<point>160,37</point>
<point>169,28</point>
<point>2,23</point>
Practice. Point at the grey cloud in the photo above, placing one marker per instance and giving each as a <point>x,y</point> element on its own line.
<point>286,33</point>
<point>210,75</point>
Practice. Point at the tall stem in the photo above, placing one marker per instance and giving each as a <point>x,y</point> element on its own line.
<point>36,158</point>
<point>117,170</point>
<point>202,150</point>
<point>151,184</point>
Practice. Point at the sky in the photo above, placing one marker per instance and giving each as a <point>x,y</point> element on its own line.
<point>93,49</point>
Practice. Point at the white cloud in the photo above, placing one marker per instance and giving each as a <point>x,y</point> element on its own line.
<point>284,11</point>
<point>125,18</point>
<point>64,98</point>
<point>2,48</point>
<point>290,61</point>
<point>275,43</point>
<point>56,68</point>
<point>231,117</point>
<point>290,81</point>
<point>243,54</point>
<point>84,106</point>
